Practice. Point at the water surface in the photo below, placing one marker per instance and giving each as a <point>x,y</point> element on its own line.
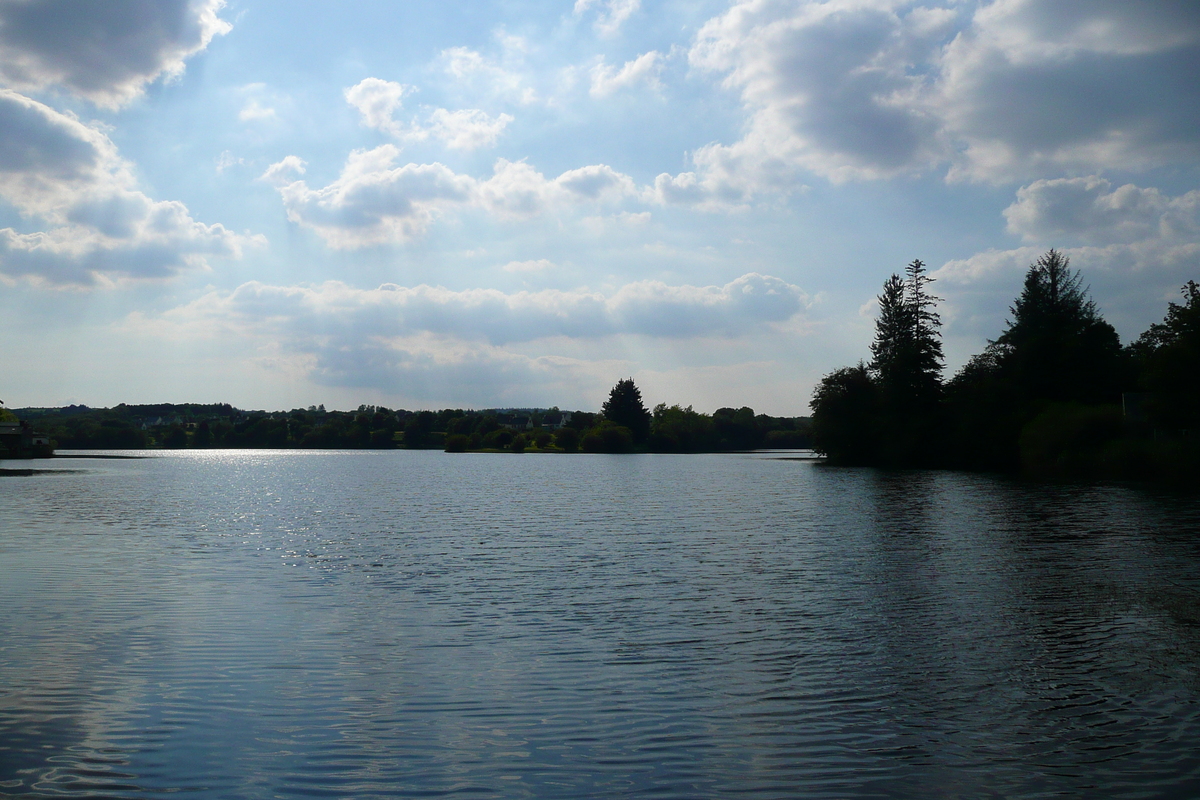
<point>389,624</point>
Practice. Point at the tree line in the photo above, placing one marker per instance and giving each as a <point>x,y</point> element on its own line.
<point>1055,394</point>
<point>623,425</point>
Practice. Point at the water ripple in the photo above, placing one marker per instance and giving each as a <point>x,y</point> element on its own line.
<point>281,624</point>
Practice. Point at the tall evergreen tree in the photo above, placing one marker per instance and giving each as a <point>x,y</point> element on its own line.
<point>1057,347</point>
<point>625,407</point>
<point>893,335</point>
<point>907,351</point>
<point>906,365</point>
<point>927,358</point>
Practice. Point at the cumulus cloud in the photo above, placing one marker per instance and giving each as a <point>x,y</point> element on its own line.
<point>1092,211</point>
<point>648,308</point>
<point>102,50</point>
<point>612,14</point>
<point>1135,246</point>
<point>645,68</point>
<point>374,202</point>
<point>378,101</point>
<point>831,87</point>
<point>1008,90</point>
<point>431,341</point>
<point>1042,85</point>
<point>59,172</point>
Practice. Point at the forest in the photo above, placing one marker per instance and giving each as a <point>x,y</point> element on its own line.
<point>1054,395</point>
<point>624,425</point>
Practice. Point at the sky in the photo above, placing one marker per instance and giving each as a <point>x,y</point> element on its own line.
<point>517,203</point>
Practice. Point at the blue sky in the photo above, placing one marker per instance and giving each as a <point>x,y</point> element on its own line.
<point>430,204</point>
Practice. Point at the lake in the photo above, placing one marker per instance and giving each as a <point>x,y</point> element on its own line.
<point>254,624</point>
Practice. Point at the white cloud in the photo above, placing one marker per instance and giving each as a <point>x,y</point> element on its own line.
<point>373,202</point>
<point>644,68</point>
<point>540,265</point>
<point>467,129</point>
<point>833,88</point>
<point>442,343</point>
<point>99,227</point>
<point>1008,90</point>
<point>612,15</point>
<point>463,61</point>
<point>648,308</point>
<point>1090,210</point>
<point>285,171</point>
<point>378,101</point>
<point>106,52</point>
<point>253,110</point>
<point>1036,86</point>
<point>227,159</point>
<point>502,79</point>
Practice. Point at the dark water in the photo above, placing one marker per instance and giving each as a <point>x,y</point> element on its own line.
<point>257,624</point>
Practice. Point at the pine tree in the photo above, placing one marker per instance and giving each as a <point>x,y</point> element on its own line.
<point>1057,346</point>
<point>907,351</point>
<point>893,335</point>
<point>927,358</point>
<point>624,407</point>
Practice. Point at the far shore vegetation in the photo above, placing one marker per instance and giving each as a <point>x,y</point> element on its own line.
<point>1054,395</point>
<point>624,425</point>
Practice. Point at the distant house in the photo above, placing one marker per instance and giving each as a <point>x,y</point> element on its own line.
<point>555,419</point>
<point>19,440</point>
<point>515,422</point>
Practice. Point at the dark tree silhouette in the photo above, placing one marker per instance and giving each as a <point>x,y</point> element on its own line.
<point>893,334</point>
<point>907,351</point>
<point>1170,355</point>
<point>906,365</point>
<point>624,407</point>
<point>846,416</point>
<point>1057,347</point>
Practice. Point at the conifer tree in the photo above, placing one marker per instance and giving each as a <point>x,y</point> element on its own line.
<point>625,407</point>
<point>1057,347</point>
<point>907,351</point>
<point>927,358</point>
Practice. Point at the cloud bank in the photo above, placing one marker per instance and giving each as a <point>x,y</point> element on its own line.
<point>99,227</point>
<point>997,92</point>
<point>104,51</point>
<point>432,341</point>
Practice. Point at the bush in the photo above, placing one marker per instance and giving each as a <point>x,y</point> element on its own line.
<point>608,437</point>
<point>498,439</point>
<point>1070,439</point>
<point>542,440</point>
<point>517,445</point>
<point>567,439</point>
<point>457,443</point>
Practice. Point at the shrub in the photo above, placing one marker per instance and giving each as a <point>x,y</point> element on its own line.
<point>498,439</point>
<point>567,439</point>
<point>608,437</point>
<point>457,443</point>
